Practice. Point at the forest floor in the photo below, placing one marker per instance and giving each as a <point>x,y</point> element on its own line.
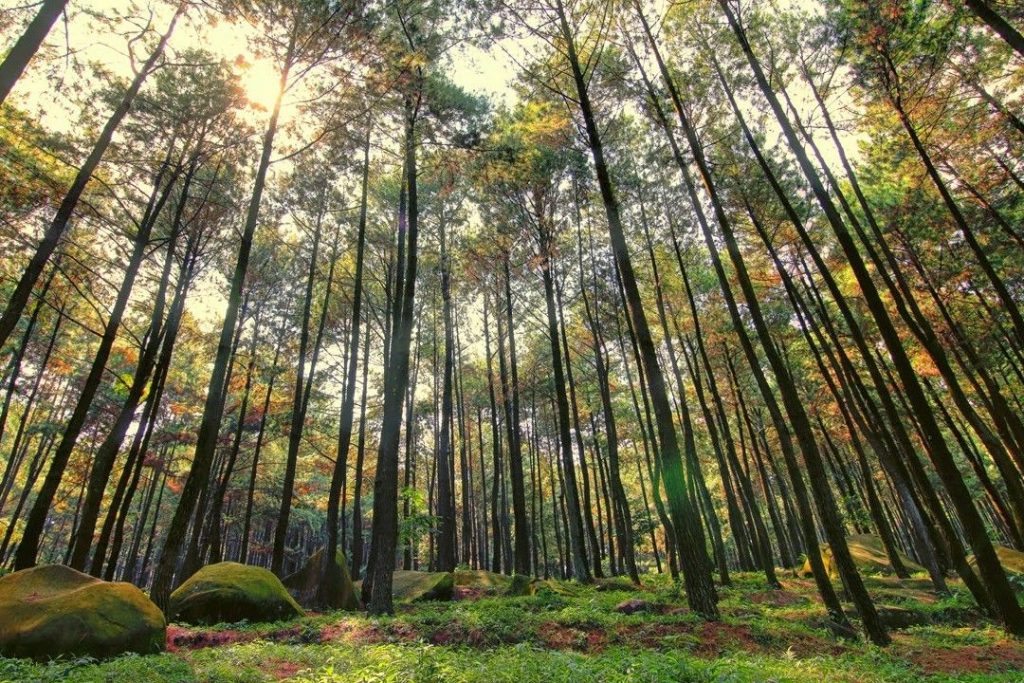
<point>571,633</point>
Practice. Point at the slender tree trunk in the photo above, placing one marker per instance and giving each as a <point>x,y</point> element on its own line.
<point>588,515</point>
<point>623,520</point>
<point>214,521</point>
<point>510,398</point>
<point>106,454</point>
<point>16,457</point>
<point>357,503</point>
<point>28,548</point>
<point>700,589</point>
<point>577,542</point>
<point>446,541</point>
<point>19,297</point>
<point>298,414</point>
<point>28,44</point>
<point>348,393</point>
<point>496,466</point>
<point>997,23</point>
<point>385,505</point>
<point>213,410</point>
<point>243,551</point>
<point>16,362</point>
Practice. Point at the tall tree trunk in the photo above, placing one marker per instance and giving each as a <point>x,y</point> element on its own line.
<point>298,413</point>
<point>620,509</point>
<point>213,410</point>
<point>588,515</point>
<point>385,504</point>
<point>577,542</point>
<point>700,589</point>
<point>106,454</point>
<point>510,398</point>
<point>327,594</point>
<point>243,551</point>
<point>1001,593</point>
<point>28,548</point>
<point>216,509</point>
<point>446,541</point>
<point>15,457</point>
<point>28,44</point>
<point>19,297</point>
<point>18,357</point>
<point>496,465</point>
<point>357,501</point>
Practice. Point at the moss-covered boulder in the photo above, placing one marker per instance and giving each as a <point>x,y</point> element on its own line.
<point>229,592</point>
<point>868,553</point>
<point>53,610</point>
<point>614,584</point>
<point>1012,560</point>
<point>567,589</point>
<point>521,584</point>
<point>494,584</point>
<point>412,586</point>
<point>305,584</point>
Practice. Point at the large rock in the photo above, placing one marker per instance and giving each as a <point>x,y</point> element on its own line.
<point>633,606</point>
<point>305,584</point>
<point>1012,560</point>
<point>492,583</point>
<point>53,610</point>
<point>229,592</point>
<point>410,586</point>
<point>868,553</point>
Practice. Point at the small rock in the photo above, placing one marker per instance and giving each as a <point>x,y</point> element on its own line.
<point>839,630</point>
<point>898,617</point>
<point>633,606</point>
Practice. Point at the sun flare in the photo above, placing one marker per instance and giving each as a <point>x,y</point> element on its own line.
<point>261,82</point>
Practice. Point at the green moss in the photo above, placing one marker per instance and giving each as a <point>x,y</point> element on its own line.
<point>493,583</point>
<point>129,668</point>
<point>229,592</point>
<point>578,636</point>
<point>519,585</point>
<point>304,584</point>
<point>868,553</point>
<point>1012,560</point>
<point>563,588</point>
<point>478,578</point>
<point>411,586</point>
<point>52,610</point>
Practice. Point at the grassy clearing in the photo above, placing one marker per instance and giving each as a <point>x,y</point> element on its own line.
<point>574,633</point>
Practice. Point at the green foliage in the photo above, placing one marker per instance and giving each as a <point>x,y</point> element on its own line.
<point>419,522</point>
<point>764,635</point>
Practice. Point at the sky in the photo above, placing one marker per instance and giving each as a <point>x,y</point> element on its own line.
<point>480,71</point>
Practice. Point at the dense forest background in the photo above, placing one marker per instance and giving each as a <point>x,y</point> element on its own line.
<point>687,287</point>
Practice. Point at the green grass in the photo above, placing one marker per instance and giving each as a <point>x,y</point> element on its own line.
<point>572,633</point>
